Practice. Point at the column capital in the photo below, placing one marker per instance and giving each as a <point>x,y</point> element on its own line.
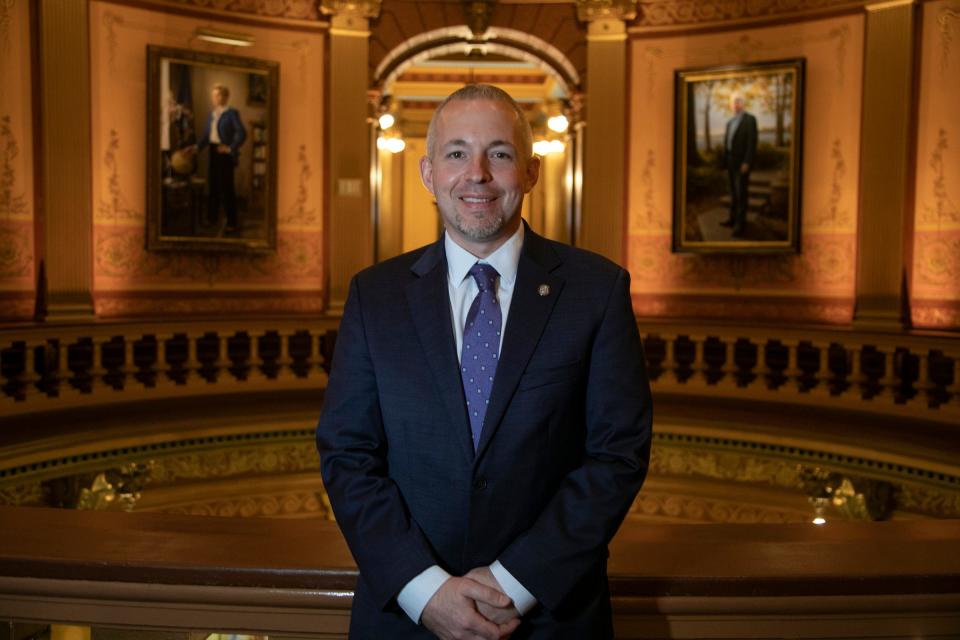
<point>593,10</point>
<point>365,9</point>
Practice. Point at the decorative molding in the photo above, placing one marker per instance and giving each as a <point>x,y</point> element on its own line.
<point>235,461</point>
<point>291,9</point>
<point>654,506</point>
<point>284,505</point>
<point>704,13</point>
<point>938,263</point>
<point>16,257</point>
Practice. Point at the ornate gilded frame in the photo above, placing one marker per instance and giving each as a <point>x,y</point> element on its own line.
<point>178,188</point>
<point>774,93</point>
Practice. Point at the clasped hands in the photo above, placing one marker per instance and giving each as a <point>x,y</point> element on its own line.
<point>473,606</point>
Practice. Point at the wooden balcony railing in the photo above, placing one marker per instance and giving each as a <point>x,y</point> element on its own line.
<point>55,367</point>
<point>140,575</point>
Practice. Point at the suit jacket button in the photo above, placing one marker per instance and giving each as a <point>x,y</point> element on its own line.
<point>480,484</point>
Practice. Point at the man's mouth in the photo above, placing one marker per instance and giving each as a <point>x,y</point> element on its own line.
<point>477,199</point>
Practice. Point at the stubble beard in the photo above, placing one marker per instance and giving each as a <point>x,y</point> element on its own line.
<point>481,230</point>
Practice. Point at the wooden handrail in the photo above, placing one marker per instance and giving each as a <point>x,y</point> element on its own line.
<point>84,567</point>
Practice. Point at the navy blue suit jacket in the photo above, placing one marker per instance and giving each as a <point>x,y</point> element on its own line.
<point>230,129</point>
<point>563,451</point>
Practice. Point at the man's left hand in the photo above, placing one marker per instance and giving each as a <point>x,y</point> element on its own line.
<point>498,615</point>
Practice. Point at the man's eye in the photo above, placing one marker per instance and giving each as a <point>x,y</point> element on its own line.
<point>455,155</point>
<point>501,155</point>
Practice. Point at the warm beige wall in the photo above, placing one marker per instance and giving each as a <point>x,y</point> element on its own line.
<point>128,280</point>
<point>17,273</point>
<point>935,298</point>
<point>818,284</point>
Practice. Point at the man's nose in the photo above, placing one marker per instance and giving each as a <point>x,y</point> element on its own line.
<point>479,169</point>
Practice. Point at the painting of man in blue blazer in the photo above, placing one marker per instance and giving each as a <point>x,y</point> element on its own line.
<point>487,421</point>
<point>224,134</point>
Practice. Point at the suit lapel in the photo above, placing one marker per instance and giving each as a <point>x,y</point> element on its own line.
<point>430,307</point>
<point>529,311</point>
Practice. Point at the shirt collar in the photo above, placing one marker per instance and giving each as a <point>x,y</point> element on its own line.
<point>505,259</point>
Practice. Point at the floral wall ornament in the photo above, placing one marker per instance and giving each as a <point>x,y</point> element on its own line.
<point>115,207</point>
<point>11,202</point>
<point>947,18</point>
<point>943,209</point>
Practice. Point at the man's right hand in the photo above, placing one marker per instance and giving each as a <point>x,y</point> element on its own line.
<point>451,614</point>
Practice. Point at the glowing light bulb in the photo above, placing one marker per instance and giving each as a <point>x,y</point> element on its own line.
<point>386,121</point>
<point>558,123</point>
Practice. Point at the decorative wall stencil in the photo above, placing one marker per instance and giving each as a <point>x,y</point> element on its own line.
<point>110,21</point>
<point>654,58</point>
<point>833,216</point>
<point>943,210</point>
<point>16,257</point>
<point>651,220</point>
<point>115,208</point>
<point>13,202</point>
<point>939,259</point>
<point>947,19</point>
<point>841,34</point>
<point>299,213</point>
<point>6,8</point>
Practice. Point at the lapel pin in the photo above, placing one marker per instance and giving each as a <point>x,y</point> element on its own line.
<point>543,290</point>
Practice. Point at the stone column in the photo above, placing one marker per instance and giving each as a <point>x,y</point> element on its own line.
<point>886,190</point>
<point>601,227</point>
<point>63,153</point>
<point>349,232</point>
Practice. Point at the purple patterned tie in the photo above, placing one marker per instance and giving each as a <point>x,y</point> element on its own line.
<point>481,347</point>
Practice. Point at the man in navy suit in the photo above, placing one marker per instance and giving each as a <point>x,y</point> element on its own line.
<point>487,421</point>
<point>739,148</point>
<point>224,133</point>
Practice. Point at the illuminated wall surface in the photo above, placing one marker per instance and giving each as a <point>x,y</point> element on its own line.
<point>128,280</point>
<point>816,285</point>
<point>936,264</point>
<point>17,276</point>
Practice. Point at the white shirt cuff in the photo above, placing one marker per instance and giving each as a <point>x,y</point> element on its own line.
<point>523,600</point>
<point>417,593</point>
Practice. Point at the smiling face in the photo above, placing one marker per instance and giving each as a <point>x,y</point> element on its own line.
<point>478,172</point>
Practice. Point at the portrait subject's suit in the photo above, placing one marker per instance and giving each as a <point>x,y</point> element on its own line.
<point>232,133</point>
<point>739,148</point>
<point>563,451</point>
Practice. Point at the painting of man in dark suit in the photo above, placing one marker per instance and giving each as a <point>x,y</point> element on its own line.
<point>737,171</point>
<point>487,422</point>
<point>739,148</point>
<point>224,134</point>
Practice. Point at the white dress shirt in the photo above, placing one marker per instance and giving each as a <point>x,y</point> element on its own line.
<point>214,124</point>
<point>463,289</point>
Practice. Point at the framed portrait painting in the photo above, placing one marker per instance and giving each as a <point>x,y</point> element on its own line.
<point>738,139</point>
<point>212,151</point>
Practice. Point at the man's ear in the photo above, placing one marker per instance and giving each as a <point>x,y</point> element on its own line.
<point>532,173</point>
<point>426,173</point>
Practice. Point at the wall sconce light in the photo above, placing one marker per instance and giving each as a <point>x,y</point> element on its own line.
<point>546,147</point>
<point>393,145</point>
<point>224,37</point>
<point>386,121</point>
<point>558,123</point>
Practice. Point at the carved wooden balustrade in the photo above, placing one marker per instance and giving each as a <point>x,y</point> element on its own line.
<point>55,367</point>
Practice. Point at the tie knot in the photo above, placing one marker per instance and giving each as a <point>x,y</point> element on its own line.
<point>485,275</point>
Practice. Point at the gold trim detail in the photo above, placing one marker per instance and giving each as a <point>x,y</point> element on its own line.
<point>701,13</point>
<point>590,10</point>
